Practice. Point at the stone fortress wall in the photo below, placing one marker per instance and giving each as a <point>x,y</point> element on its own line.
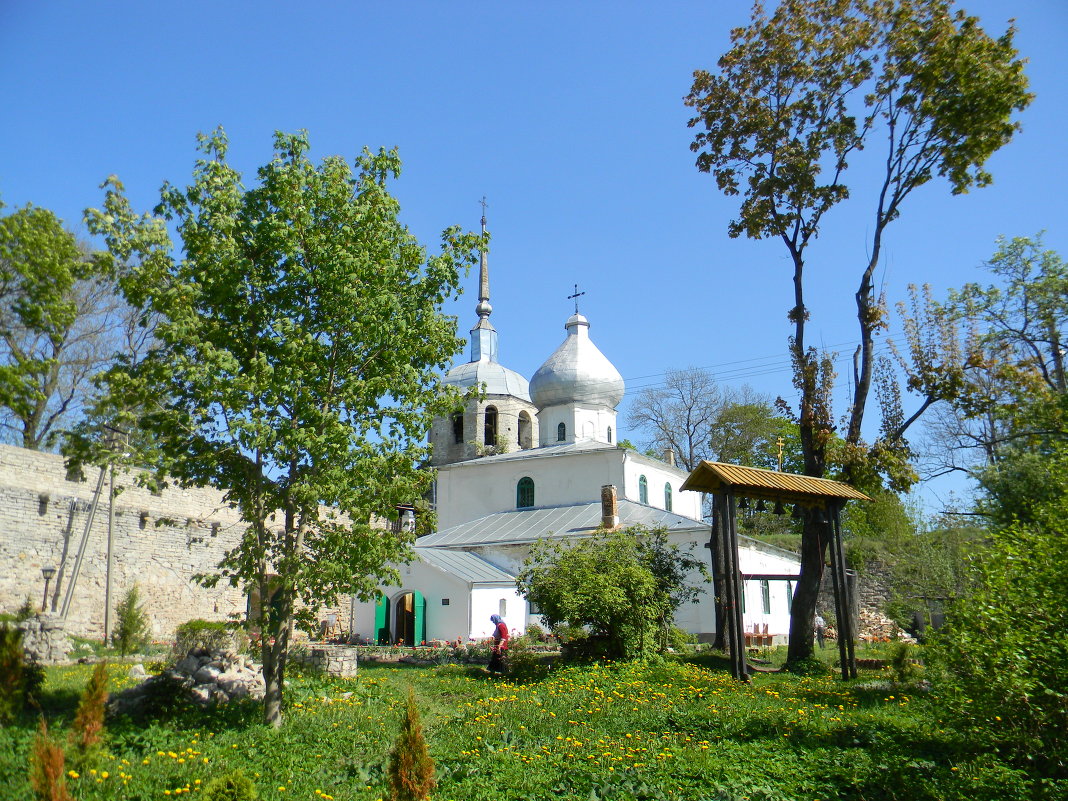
<point>160,542</point>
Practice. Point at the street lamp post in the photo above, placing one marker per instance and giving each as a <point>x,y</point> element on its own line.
<point>47,572</point>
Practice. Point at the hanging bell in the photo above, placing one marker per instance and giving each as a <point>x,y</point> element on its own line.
<point>779,509</point>
<point>761,507</point>
<point>743,503</point>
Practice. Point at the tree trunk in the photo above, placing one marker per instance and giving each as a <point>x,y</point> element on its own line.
<point>803,611</point>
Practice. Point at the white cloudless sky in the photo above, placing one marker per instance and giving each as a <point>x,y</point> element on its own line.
<point>567,116</point>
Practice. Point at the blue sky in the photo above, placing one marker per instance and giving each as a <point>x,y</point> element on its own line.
<point>567,116</point>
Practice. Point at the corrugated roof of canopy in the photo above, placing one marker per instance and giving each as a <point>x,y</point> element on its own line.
<point>752,482</point>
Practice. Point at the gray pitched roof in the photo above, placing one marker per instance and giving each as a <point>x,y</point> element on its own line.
<point>465,565</point>
<point>527,525</point>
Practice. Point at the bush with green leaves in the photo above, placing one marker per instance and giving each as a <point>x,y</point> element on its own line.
<point>131,623</point>
<point>210,635</point>
<point>622,586</point>
<point>1003,651</point>
<point>19,680</point>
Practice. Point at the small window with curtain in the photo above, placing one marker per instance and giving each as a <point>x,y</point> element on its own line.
<point>765,596</point>
<point>790,597</point>
<point>524,493</point>
<point>643,489</point>
<point>667,496</point>
<point>609,435</point>
<point>561,432</point>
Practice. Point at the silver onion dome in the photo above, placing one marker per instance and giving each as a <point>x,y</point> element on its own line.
<point>577,372</point>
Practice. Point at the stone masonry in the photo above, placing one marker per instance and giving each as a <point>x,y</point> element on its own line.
<point>160,542</point>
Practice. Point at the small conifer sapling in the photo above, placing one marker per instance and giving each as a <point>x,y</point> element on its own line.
<point>411,770</point>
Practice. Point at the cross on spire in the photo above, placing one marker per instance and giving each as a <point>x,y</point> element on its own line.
<point>575,297</point>
<point>484,204</point>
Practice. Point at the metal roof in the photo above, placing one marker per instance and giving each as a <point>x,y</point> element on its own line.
<point>495,377</point>
<point>541,452</point>
<point>465,565</point>
<point>520,526</point>
<point>753,482</point>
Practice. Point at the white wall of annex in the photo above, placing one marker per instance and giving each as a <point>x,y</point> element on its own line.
<point>442,622</point>
<point>503,601</point>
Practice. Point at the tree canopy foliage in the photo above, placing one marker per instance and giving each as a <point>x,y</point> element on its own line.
<point>59,315</point>
<point>801,94</point>
<point>622,586</point>
<point>295,366</point>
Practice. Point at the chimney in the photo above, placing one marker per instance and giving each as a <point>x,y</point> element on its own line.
<point>669,456</point>
<point>609,507</point>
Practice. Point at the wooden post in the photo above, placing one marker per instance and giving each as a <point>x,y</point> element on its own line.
<point>734,580</point>
<point>847,595</point>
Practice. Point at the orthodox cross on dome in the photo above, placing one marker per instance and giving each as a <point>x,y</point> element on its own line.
<point>575,297</point>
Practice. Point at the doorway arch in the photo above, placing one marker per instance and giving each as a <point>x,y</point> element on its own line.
<point>409,618</point>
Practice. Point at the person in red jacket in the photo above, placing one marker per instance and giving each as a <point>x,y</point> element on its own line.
<point>500,644</point>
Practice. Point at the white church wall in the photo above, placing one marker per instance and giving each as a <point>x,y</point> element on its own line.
<point>756,558</point>
<point>503,601</point>
<point>472,490</point>
<point>581,422</point>
<point>442,621</point>
<point>658,474</point>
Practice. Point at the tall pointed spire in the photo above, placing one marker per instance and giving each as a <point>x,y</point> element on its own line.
<point>483,335</point>
<point>483,309</point>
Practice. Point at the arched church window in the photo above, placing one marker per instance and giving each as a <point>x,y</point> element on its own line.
<point>643,489</point>
<point>561,432</point>
<point>490,428</point>
<point>667,497</point>
<point>524,493</point>
<point>525,428</point>
<point>609,435</point>
<point>458,428</point>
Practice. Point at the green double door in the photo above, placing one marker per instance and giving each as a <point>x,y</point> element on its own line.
<point>408,619</point>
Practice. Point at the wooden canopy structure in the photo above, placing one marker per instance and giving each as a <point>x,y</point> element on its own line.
<point>825,498</point>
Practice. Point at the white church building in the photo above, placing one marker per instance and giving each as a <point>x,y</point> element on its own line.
<point>540,459</point>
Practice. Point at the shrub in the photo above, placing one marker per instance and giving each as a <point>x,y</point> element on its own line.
<point>535,632</point>
<point>131,629</point>
<point>19,681</point>
<point>1002,652</point>
<point>411,770</point>
<point>87,731</point>
<point>209,635</point>
<point>26,611</point>
<point>47,761</point>
<point>624,586</point>
<point>235,786</point>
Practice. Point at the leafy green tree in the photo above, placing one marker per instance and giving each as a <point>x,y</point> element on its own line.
<point>804,92</point>
<point>1003,651</point>
<point>132,631</point>
<point>58,311</point>
<point>296,365</point>
<point>623,586</point>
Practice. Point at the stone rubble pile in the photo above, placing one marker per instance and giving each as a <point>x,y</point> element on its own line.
<point>205,677</point>
<point>874,626</point>
<point>44,639</point>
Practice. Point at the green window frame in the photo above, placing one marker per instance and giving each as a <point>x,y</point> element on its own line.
<point>643,490</point>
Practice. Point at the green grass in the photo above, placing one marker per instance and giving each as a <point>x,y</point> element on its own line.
<point>674,729</point>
